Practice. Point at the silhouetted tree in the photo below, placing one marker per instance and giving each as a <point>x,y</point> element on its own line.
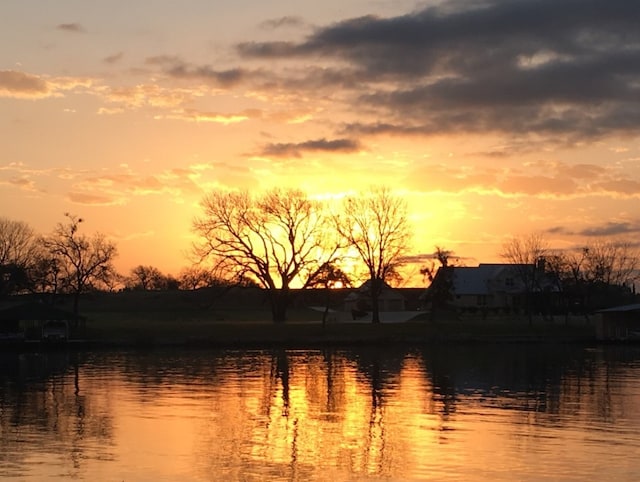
<point>526,255</point>
<point>17,254</point>
<point>275,238</point>
<point>439,274</point>
<point>82,261</point>
<point>329,277</point>
<point>145,278</point>
<point>376,225</point>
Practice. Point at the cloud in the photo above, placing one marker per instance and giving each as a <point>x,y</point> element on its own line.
<point>21,85</point>
<point>281,22</point>
<point>567,69</point>
<point>194,115</point>
<point>114,58</point>
<point>177,68</point>
<point>542,179</point>
<point>71,27</point>
<point>318,145</point>
<point>608,229</point>
<point>94,199</point>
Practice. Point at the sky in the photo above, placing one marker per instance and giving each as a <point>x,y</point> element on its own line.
<point>493,119</point>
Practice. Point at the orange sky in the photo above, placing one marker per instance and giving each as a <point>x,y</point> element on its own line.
<point>489,117</point>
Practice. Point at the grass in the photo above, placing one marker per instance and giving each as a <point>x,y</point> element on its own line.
<point>252,327</point>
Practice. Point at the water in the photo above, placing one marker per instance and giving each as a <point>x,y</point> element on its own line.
<point>448,413</point>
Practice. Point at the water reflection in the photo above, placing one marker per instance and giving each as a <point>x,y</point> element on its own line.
<point>527,412</point>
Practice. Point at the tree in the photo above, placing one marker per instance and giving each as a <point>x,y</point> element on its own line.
<point>145,278</point>
<point>330,276</point>
<point>17,254</point>
<point>277,238</point>
<point>526,255</point>
<point>376,226</point>
<point>440,276</point>
<point>17,243</point>
<point>82,261</point>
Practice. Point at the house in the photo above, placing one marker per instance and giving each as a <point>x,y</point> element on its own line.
<point>491,286</point>
<point>34,320</point>
<point>389,299</point>
<point>619,323</point>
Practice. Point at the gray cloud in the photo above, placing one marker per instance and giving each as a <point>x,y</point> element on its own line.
<point>298,149</point>
<point>177,68</point>
<point>569,68</point>
<point>71,27</point>
<point>287,21</point>
<point>115,58</point>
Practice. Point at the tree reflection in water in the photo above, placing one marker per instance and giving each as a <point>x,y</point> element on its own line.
<point>403,413</point>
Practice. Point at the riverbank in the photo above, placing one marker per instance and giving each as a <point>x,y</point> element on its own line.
<point>131,332</point>
<point>240,319</point>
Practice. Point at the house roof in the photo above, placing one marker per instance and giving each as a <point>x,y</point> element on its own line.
<point>474,280</point>
<point>386,292</point>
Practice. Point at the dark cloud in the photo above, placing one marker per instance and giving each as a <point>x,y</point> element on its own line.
<point>71,27</point>
<point>554,67</point>
<point>287,21</point>
<point>178,68</point>
<point>115,58</point>
<point>297,149</point>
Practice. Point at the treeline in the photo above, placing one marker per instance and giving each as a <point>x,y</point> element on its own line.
<point>282,238</point>
<point>274,240</point>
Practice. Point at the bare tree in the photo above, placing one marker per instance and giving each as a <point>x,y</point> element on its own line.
<point>526,255</point>
<point>610,262</point>
<point>145,278</point>
<point>81,261</point>
<point>17,254</point>
<point>276,238</point>
<point>376,225</point>
<point>17,243</point>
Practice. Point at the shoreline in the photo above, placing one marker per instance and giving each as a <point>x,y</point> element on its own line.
<point>310,335</point>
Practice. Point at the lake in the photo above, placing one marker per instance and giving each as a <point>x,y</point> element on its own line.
<point>455,412</point>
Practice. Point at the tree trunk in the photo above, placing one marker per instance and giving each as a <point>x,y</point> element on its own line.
<point>279,304</point>
<point>76,315</point>
<point>375,300</point>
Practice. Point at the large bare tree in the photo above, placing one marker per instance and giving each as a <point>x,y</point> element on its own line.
<point>376,225</point>
<point>277,238</point>
<point>82,261</point>
<point>17,243</point>
<point>17,254</point>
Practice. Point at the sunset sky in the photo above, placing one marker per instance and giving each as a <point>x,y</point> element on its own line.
<point>493,118</point>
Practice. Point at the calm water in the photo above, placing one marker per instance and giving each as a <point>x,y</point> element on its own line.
<point>498,412</point>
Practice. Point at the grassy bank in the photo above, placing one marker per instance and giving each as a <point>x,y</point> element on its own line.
<point>245,330</point>
<point>243,318</point>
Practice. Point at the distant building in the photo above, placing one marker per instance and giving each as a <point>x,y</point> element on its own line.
<point>491,286</point>
<point>619,323</point>
<point>359,300</point>
<point>34,320</point>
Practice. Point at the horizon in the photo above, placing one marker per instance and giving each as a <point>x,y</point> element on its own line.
<point>492,119</point>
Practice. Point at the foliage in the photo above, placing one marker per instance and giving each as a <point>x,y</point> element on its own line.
<point>439,274</point>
